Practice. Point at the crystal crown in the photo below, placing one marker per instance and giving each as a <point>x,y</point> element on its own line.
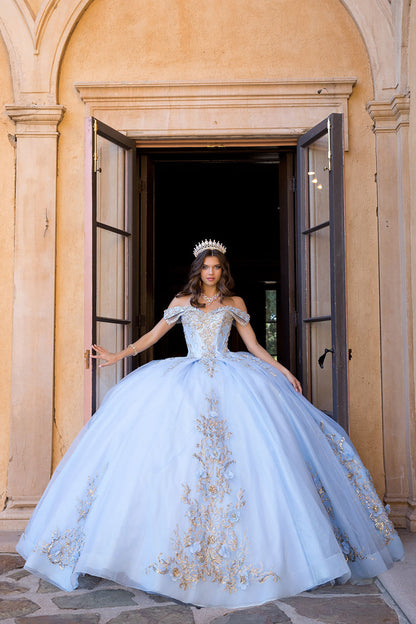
<point>208,244</point>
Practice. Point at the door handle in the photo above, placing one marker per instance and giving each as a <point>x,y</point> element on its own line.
<point>322,357</point>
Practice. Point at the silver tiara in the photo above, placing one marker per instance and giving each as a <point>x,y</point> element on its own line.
<point>208,244</point>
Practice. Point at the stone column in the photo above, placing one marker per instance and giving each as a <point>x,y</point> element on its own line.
<point>33,311</point>
<point>391,127</point>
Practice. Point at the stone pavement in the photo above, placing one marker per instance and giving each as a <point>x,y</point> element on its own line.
<point>26,599</point>
<point>400,580</point>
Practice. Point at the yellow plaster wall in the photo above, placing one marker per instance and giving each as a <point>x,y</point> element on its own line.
<point>212,40</point>
<point>363,320</point>
<point>7,159</point>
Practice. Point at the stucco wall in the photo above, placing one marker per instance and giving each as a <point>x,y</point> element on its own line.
<point>363,287</point>
<point>161,40</point>
<point>7,160</point>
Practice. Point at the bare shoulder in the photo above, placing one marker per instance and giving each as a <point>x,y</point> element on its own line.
<point>179,301</point>
<point>236,302</point>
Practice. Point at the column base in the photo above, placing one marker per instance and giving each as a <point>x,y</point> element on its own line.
<point>8,541</point>
<point>411,516</point>
<point>17,513</point>
<point>402,513</point>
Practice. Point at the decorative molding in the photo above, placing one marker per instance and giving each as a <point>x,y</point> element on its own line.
<point>282,88</point>
<point>28,16</point>
<point>35,114</point>
<point>37,24</point>
<point>240,111</point>
<point>35,120</point>
<point>374,20</point>
<point>385,7</point>
<point>403,512</point>
<point>41,21</point>
<point>45,37</point>
<point>401,108</point>
<point>29,8</point>
<point>389,115</point>
<point>17,513</point>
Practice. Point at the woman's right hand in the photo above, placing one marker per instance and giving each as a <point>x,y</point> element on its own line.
<point>103,354</point>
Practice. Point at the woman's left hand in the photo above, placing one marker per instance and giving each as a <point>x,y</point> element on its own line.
<point>103,354</point>
<point>295,382</point>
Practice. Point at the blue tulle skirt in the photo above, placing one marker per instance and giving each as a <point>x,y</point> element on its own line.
<point>224,490</point>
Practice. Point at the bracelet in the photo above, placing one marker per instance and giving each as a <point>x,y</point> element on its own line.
<point>133,348</point>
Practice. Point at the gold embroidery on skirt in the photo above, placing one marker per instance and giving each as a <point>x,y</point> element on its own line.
<point>210,549</point>
<point>350,552</point>
<point>363,485</point>
<point>65,547</point>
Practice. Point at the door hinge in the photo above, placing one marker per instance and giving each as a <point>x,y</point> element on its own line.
<point>87,358</point>
<point>141,186</point>
<point>292,185</point>
<point>94,147</point>
<point>329,128</point>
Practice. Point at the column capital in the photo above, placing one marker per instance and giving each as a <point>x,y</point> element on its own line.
<point>389,115</point>
<point>35,120</point>
<point>401,108</point>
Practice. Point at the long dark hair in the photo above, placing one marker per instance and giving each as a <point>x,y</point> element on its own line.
<point>194,284</point>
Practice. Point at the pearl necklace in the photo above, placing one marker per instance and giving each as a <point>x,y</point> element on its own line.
<point>209,300</point>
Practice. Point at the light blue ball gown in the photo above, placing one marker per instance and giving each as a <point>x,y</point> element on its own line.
<point>209,479</point>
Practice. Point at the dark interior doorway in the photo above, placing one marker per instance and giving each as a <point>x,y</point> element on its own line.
<point>239,197</point>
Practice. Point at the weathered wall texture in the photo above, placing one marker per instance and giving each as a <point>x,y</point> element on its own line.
<point>161,40</point>
<point>362,284</point>
<point>7,159</point>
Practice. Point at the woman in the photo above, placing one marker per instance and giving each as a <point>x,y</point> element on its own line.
<point>209,478</point>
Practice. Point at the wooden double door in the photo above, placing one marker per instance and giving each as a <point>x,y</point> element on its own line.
<point>281,212</point>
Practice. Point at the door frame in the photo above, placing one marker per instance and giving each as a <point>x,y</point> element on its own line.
<point>333,126</point>
<point>93,128</point>
<point>289,185</point>
<point>147,158</point>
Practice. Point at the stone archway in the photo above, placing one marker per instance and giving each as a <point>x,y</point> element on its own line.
<point>36,43</point>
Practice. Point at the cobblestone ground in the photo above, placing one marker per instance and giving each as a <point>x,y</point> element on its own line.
<point>25,599</point>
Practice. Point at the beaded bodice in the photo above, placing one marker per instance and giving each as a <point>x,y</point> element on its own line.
<point>206,333</point>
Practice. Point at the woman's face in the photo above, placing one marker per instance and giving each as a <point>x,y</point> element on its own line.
<point>211,271</point>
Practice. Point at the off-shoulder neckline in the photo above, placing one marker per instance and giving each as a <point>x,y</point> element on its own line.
<point>188,305</point>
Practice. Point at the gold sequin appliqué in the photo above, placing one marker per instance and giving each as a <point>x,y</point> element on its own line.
<point>363,485</point>
<point>65,547</point>
<point>350,552</point>
<point>249,361</point>
<point>212,330</point>
<point>210,548</point>
<point>206,333</point>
